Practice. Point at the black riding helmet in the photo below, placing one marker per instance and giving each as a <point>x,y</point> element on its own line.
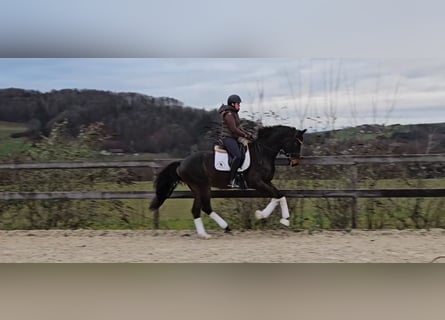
<point>234,98</point>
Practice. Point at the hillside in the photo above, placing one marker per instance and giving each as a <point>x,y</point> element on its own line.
<point>379,139</point>
<point>146,124</point>
<point>135,122</point>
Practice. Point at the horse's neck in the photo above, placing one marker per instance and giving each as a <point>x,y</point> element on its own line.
<point>268,150</point>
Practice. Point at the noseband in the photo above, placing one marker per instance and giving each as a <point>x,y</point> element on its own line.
<point>293,155</point>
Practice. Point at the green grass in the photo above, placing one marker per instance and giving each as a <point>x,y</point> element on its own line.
<point>174,214</point>
<point>10,145</point>
<point>6,128</point>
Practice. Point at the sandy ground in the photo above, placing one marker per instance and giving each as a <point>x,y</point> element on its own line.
<point>76,246</point>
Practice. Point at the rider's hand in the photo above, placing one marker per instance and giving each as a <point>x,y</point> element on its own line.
<point>250,137</point>
<point>243,141</point>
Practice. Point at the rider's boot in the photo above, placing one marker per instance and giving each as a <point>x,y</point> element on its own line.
<point>241,181</point>
<point>233,170</point>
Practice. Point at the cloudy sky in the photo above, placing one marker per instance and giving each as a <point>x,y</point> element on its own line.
<point>311,93</point>
<point>235,28</point>
<point>316,64</point>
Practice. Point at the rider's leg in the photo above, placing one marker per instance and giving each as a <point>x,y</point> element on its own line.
<point>240,176</point>
<point>234,151</point>
<point>233,171</point>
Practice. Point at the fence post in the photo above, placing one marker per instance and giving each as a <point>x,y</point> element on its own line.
<point>156,212</point>
<point>156,219</point>
<point>354,204</point>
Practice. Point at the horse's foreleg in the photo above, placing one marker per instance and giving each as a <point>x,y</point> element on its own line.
<point>271,206</point>
<point>284,211</point>
<point>262,214</point>
<point>277,198</point>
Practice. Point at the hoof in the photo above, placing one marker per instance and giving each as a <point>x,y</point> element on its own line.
<point>205,236</point>
<point>284,222</point>
<point>228,230</point>
<point>259,215</point>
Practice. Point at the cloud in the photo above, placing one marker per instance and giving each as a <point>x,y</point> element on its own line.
<point>362,90</point>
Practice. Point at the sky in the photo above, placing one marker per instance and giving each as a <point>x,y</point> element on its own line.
<point>235,28</point>
<point>317,94</point>
<point>318,64</point>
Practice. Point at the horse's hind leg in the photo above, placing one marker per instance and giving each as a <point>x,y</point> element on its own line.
<point>207,208</point>
<point>196,211</point>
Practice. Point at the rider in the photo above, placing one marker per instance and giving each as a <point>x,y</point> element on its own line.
<point>230,134</point>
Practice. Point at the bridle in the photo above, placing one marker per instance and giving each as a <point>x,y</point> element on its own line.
<point>293,155</point>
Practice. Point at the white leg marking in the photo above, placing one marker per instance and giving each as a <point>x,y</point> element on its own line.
<point>220,221</point>
<point>268,210</point>
<point>284,208</point>
<point>284,212</point>
<point>200,229</point>
<point>259,215</point>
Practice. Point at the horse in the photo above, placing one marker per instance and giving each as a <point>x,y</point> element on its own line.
<point>198,172</point>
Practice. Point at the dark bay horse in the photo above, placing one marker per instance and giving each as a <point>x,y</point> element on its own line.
<point>198,172</point>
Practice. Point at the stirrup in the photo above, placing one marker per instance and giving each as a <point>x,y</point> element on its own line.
<point>241,181</point>
<point>233,184</point>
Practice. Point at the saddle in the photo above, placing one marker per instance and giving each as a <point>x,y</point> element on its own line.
<point>222,159</point>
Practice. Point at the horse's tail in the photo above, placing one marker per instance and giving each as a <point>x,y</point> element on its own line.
<point>165,183</point>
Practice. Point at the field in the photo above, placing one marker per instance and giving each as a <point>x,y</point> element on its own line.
<point>10,145</point>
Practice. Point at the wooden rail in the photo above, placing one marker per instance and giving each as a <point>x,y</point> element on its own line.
<point>353,161</point>
<point>159,163</point>
<point>316,193</point>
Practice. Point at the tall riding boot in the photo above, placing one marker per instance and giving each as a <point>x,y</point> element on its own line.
<point>233,171</point>
<point>241,181</point>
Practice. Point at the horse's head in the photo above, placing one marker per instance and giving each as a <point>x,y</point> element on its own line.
<point>293,146</point>
<point>283,139</point>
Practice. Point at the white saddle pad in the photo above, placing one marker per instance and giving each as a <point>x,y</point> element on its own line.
<point>222,160</point>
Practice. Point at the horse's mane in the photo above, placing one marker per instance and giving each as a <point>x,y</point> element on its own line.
<point>267,131</point>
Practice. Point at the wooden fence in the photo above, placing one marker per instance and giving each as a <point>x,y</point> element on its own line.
<point>353,192</point>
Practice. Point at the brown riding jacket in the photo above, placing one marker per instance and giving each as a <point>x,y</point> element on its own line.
<point>231,123</point>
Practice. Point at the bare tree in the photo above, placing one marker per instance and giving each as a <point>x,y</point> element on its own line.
<point>390,100</point>
<point>331,85</point>
<point>301,101</point>
<point>351,92</point>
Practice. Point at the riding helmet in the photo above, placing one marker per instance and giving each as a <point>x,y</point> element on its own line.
<point>234,98</point>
